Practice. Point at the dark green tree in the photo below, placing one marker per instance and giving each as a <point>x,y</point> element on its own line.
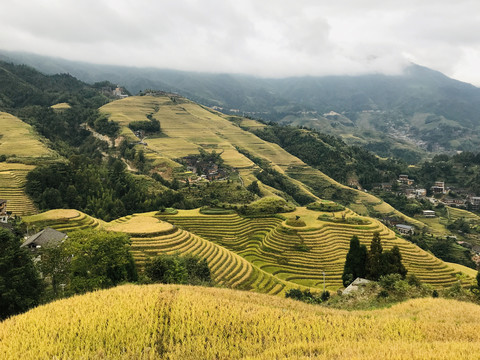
<point>20,284</point>
<point>175,269</point>
<point>54,264</point>
<point>355,262</point>
<point>392,262</point>
<point>374,258</point>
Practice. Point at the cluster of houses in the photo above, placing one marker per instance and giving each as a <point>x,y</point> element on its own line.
<point>204,169</point>
<point>407,187</point>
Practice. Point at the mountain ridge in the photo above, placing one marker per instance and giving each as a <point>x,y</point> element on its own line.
<point>405,115</point>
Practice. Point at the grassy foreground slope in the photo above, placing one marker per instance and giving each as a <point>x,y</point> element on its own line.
<point>182,322</point>
<point>260,254</point>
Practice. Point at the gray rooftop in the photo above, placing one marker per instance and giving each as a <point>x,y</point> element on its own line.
<point>44,237</point>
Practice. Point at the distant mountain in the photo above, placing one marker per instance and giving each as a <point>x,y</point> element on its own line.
<point>405,116</point>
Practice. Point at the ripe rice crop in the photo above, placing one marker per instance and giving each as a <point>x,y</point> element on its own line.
<point>184,322</point>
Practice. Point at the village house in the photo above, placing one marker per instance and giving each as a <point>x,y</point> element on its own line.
<point>405,229</point>
<point>405,180</point>
<point>454,202</point>
<point>386,186</point>
<point>118,93</point>
<point>46,237</point>
<point>4,215</point>
<point>475,202</point>
<point>429,213</point>
<point>438,187</point>
<point>419,193</point>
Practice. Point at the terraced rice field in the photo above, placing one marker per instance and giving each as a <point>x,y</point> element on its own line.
<point>261,254</point>
<point>12,185</point>
<point>18,139</point>
<point>302,255</point>
<point>151,237</point>
<point>455,214</point>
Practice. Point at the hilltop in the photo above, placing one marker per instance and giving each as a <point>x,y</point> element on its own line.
<point>173,322</point>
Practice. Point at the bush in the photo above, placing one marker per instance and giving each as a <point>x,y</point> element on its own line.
<point>328,206</point>
<point>267,205</point>
<point>175,269</point>
<point>307,296</point>
<point>295,222</point>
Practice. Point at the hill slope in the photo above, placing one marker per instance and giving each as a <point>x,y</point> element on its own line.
<point>180,322</point>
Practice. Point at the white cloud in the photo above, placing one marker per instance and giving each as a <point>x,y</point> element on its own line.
<point>267,38</point>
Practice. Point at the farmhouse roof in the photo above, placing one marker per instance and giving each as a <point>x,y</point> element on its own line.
<point>44,237</point>
<point>2,201</point>
<point>404,227</point>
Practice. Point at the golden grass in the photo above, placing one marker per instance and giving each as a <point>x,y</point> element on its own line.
<point>311,217</point>
<point>181,322</point>
<point>139,223</point>
<point>19,139</point>
<point>52,215</point>
<point>460,213</point>
<point>463,269</point>
<point>12,188</point>
<point>61,106</point>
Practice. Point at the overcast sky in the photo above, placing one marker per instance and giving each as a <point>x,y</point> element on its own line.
<point>261,37</point>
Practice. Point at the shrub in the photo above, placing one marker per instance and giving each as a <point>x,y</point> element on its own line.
<point>295,222</point>
<point>329,206</point>
<point>175,269</point>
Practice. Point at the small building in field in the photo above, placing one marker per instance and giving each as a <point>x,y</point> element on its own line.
<point>3,211</point>
<point>429,213</point>
<point>46,237</point>
<point>405,229</point>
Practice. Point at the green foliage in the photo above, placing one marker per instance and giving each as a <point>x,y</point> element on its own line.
<point>100,123</point>
<point>266,206</point>
<point>20,284</point>
<point>444,248</point>
<point>355,262</point>
<point>381,263</point>
<point>175,269</point>
<point>307,296</point>
<point>295,222</point>
<point>54,265</point>
<point>325,206</point>
<point>99,260</point>
<point>149,126</point>
<point>254,188</point>
<point>104,190</point>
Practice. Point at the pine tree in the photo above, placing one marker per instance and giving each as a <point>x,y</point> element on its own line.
<point>374,259</point>
<point>355,261</point>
